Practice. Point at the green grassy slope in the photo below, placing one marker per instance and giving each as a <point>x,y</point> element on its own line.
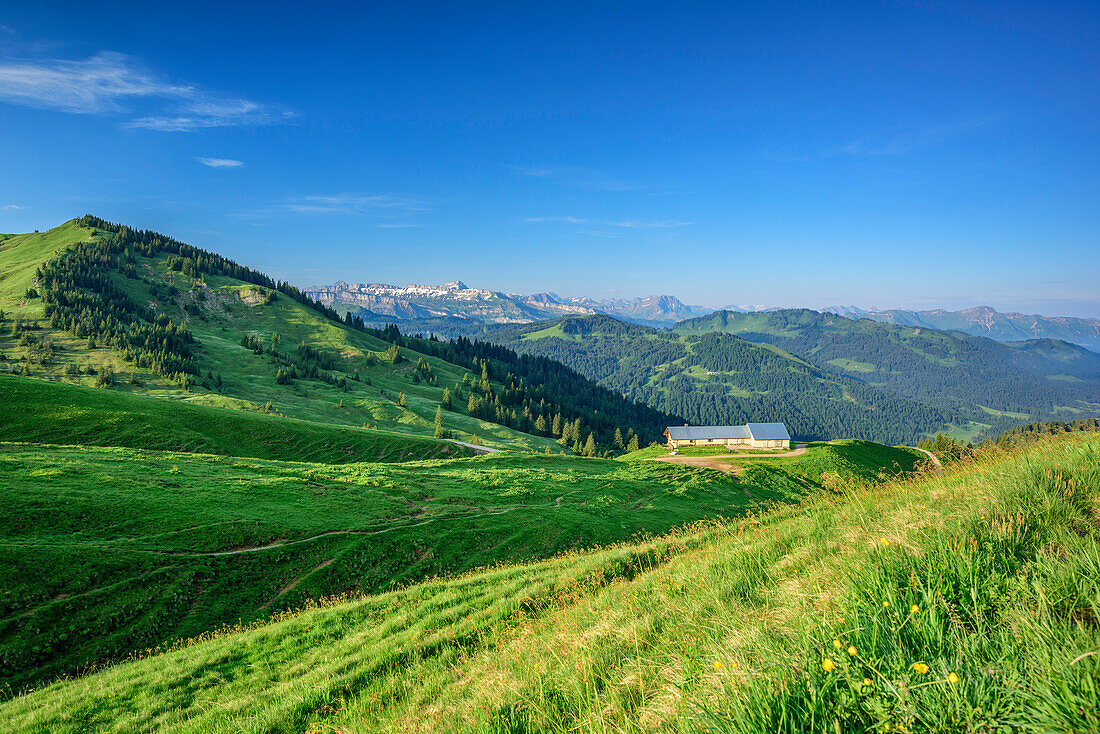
<point>961,602</point>
<point>982,379</point>
<point>723,379</point>
<point>114,550</point>
<point>20,256</point>
<point>219,311</point>
<point>39,411</point>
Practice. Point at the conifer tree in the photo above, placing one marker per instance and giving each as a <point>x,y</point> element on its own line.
<point>619,439</point>
<point>401,400</point>
<point>446,403</point>
<point>590,445</point>
<point>556,427</point>
<point>440,432</point>
<point>632,445</point>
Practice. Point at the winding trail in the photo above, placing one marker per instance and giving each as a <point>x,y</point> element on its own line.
<point>477,449</point>
<point>935,459</point>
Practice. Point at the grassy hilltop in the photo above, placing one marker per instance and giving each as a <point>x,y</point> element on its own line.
<point>960,602</point>
<point>102,305</point>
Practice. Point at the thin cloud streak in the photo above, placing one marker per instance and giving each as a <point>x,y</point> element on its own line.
<point>629,224</point>
<point>900,143</point>
<point>111,83</point>
<point>219,162</point>
<point>579,177</point>
<point>355,204</point>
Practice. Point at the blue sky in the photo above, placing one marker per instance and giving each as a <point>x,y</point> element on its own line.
<point>894,154</point>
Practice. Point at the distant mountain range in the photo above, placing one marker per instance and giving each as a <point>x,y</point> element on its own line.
<point>458,301</point>
<point>984,321</point>
<point>453,308</point>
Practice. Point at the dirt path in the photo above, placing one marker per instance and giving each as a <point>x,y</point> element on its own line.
<point>935,459</point>
<point>722,462</point>
<point>477,449</point>
<point>704,462</point>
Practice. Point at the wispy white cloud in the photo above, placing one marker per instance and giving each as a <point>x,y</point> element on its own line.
<point>13,207</point>
<point>667,224</point>
<point>895,142</point>
<point>219,162</point>
<point>627,224</point>
<point>567,220</point>
<point>356,204</point>
<point>115,84</point>
<point>584,178</point>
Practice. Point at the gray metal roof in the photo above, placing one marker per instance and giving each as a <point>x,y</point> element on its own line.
<point>769,431</point>
<point>685,433</point>
<point>758,431</point>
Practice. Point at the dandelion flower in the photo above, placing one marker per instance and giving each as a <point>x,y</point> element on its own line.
<point>852,650</point>
<point>914,609</point>
<point>866,681</point>
<point>733,665</point>
<point>836,644</point>
<point>827,665</point>
<point>717,664</point>
<point>921,668</point>
<point>886,541</point>
<point>885,603</point>
<point>952,678</point>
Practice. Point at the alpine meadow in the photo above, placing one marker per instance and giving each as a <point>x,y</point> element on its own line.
<point>464,369</point>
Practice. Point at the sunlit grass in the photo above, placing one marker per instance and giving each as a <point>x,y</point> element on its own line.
<point>961,602</point>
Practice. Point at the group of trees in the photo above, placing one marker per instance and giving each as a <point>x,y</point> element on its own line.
<point>534,392</point>
<point>308,363</point>
<point>80,297</point>
<point>528,408</point>
<point>1030,431</point>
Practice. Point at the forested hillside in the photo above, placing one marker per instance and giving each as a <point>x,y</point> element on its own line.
<point>102,304</point>
<point>720,378</point>
<point>982,378</point>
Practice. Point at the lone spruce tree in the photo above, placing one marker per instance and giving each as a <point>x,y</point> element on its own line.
<point>440,431</point>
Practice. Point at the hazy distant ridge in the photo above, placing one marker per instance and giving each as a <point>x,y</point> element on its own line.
<point>987,322</point>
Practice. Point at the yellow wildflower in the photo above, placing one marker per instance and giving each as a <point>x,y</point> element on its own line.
<point>852,650</point>
<point>827,665</point>
<point>717,664</point>
<point>952,678</point>
<point>914,609</point>
<point>836,644</point>
<point>866,681</point>
<point>885,603</point>
<point>921,668</point>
